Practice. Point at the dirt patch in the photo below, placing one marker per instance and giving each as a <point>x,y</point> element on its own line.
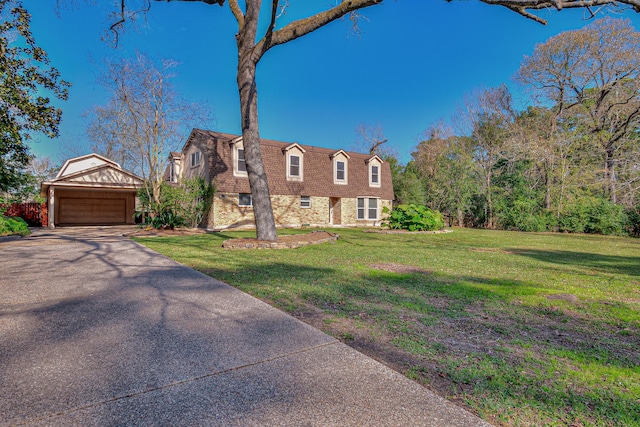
<point>399,268</point>
<point>563,297</point>
<point>284,242</point>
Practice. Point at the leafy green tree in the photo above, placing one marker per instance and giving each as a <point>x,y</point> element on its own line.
<point>25,75</point>
<point>487,119</point>
<point>408,187</point>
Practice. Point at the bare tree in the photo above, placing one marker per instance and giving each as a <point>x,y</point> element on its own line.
<point>254,40</point>
<point>369,139</point>
<point>143,119</point>
<point>593,74</point>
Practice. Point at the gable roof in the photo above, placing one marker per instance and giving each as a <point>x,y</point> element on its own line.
<point>318,169</point>
<point>94,171</point>
<point>83,162</point>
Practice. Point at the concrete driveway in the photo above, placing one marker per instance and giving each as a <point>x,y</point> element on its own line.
<point>97,330</point>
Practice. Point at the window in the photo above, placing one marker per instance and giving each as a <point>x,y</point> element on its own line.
<point>305,201</point>
<point>239,160</point>
<point>373,208</point>
<point>340,162</point>
<point>375,164</point>
<point>367,208</point>
<point>245,199</point>
<point>195,159</point>
<point>242,165</point>
<point>340,169</point>
<point>294,165</point>
<point>374,175</point>
<point>172,172</point>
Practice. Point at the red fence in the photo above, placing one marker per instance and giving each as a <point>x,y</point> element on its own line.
<point>34,213</point>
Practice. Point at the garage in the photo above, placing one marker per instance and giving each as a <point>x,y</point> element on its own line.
<point>89,208</point>
<point>91,190</point>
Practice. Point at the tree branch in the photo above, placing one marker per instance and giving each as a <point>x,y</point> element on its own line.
<point>237,12</point>
<point>523,7</point>
<point>305,26</point>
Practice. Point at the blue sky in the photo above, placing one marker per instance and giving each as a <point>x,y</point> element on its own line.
<point>411,65</point>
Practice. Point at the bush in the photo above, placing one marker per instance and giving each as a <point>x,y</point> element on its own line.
<point>184,204</point>
<point>413,218</point>
<point>633,221</point>
<point>524,215</point>
<point>13,226</point>
<point>166,220</point>
<point>593,215</point>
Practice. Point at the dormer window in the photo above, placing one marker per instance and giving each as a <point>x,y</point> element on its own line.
<point>294,165</point>
<point>241,164</point>
<point>340,167</point>
<point>294,162</point>
<point>340,171</point>
<point>239,159</point>
<point>375,174</point>
<point>195,159</point>
<point>375,167</point>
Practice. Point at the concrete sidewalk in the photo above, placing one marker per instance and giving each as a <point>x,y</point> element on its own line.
<point>98,330</point>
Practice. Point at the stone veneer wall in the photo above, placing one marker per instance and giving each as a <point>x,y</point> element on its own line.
<point>225,212</point>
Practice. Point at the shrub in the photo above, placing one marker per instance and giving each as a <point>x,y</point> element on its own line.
<point>184,204</point>
<point>524,214</point>
<point>194,200</point>
<point>593,215</point>
<point>413,218</point>
<point>633,221</point>
<point>13,226</point>
<point>166,220</point>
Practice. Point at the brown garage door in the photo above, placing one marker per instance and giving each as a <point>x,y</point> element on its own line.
<point>90,211</point>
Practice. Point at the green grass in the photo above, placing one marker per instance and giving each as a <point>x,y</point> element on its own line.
<point>468,315</point>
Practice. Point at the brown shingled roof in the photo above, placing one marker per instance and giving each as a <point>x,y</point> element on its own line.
<point>317,169</point>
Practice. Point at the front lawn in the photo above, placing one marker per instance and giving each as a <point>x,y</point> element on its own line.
<point>523,328</point>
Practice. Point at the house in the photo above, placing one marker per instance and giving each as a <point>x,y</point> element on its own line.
<point>91,190</point>
<point>308,185</point>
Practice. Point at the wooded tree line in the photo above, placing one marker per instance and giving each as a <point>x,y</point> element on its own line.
<point>570,162</point>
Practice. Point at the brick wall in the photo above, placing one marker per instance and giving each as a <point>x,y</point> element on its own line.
<point>225,212</point>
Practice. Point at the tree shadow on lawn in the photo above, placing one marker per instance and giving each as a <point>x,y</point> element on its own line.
<point>613,264</point>
<point>464,334</point>
<point>470,341</point>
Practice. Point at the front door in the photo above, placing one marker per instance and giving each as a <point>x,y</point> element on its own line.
<point>335,211</point>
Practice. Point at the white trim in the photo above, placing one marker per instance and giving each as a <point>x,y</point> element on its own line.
<point>367,208</point>
<point>238,144</point>
<point>64,167</point>
<point>300,156</point>
<point>341,156</point>
<point>377,163</point>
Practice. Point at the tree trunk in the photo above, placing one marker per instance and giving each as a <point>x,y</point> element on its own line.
<point>490,222</point>
<point>264,220</point>
<point>610,172</point>
<point>460,218</point>
<point>547,184</point>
